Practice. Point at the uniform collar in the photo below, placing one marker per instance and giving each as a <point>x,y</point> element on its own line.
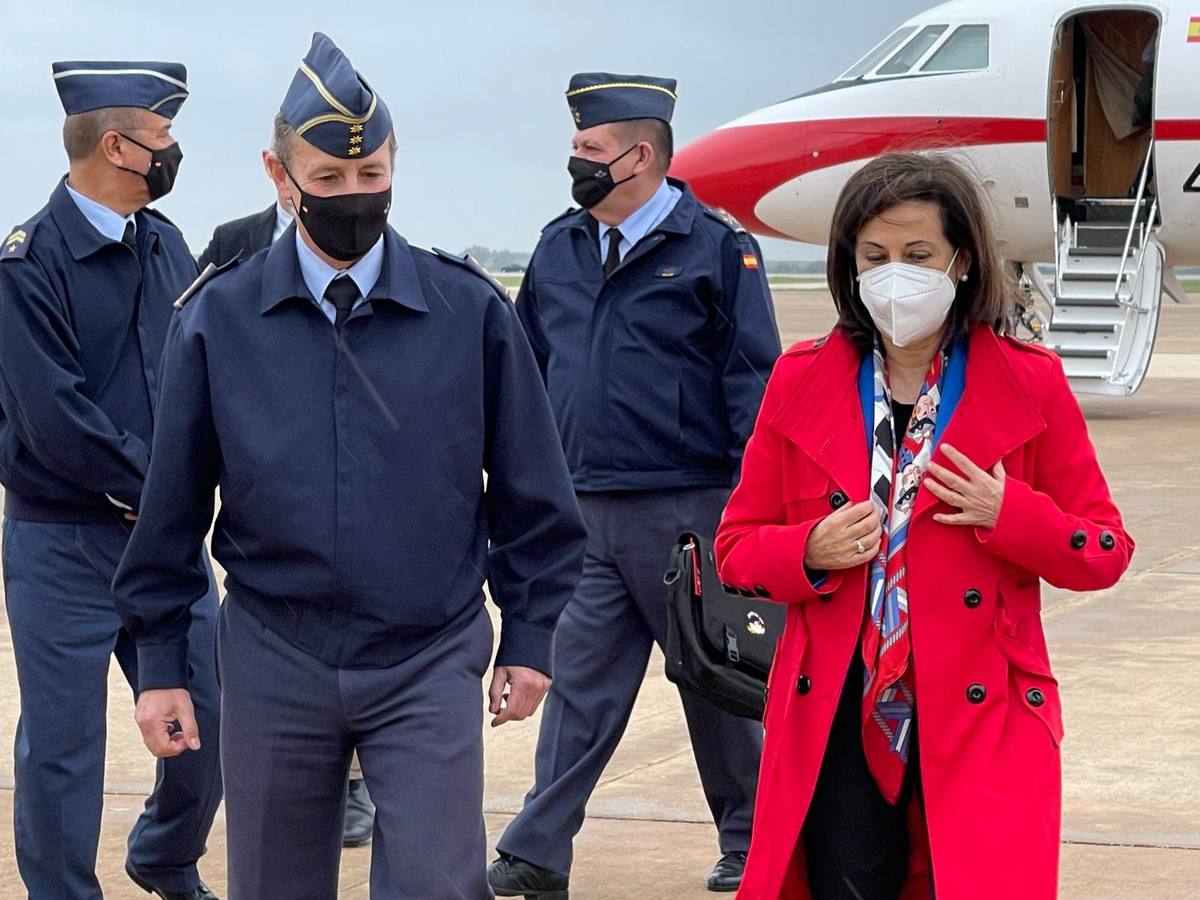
<point>81,236</point>
<point>110,223</point>
<point>318,274</point>
<point>678,221</point>
<point>649,214</point>
<point>397,281</point>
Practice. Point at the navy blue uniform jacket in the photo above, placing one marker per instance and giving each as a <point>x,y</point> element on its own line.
<point>82,325</point>
<point>354,521</point>
<point>655,375</point>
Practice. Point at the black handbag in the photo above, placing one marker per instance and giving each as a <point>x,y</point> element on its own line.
<point>720,644</point>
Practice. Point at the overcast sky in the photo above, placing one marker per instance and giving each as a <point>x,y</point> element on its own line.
<point>475,88</point>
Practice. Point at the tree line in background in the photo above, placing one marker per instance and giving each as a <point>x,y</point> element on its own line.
<point>516,260</point>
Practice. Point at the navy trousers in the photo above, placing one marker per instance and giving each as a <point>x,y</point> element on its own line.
<point>289,723</point>
<point>602,647</point>
<point>65,628</point>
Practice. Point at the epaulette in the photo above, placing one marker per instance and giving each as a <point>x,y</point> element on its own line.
<point>154,212</point>
<point>725,219</point>
<point>211,271</point>
<point>805,347</point>
<point>471,264</point>
<point>571,211</point>
<point>16,245</point>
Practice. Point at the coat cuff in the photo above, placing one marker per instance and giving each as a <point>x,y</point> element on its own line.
<point>162,666</point>
<point>774,565</point>
<point>527,645</point>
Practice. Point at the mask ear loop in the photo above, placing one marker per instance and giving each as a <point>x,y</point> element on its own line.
<point>951,266</point>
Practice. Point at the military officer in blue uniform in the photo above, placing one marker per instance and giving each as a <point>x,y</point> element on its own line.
<point>86,293</point>
<point>347,392</point>
<point>244,237</point>
<point>651,320</point>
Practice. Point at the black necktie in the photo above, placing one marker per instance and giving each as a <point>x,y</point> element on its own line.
<point>129,237</point>
<point>614,252</point>
<point>342,293</point>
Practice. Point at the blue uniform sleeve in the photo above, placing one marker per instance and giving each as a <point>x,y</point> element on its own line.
<point>751,335</point>
<point>530,316</point>
<point>162,572</point>
<point>41,381</point>
<point>536,529</point>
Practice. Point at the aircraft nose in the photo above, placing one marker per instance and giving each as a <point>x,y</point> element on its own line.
<point>736,166</point>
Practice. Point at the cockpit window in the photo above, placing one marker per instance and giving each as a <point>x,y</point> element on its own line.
<point>879,54</point>
<point>912,52</point>
<point>966,49</point>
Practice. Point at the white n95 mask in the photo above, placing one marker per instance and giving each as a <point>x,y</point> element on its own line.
<point>908,303</point>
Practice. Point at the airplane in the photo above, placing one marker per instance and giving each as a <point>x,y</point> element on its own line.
<point>1082,119</point>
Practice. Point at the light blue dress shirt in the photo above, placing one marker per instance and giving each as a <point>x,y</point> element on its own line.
<point>109,223</point>
<point>318,274</point>
<point>283,218</point>
<point>643,221</point>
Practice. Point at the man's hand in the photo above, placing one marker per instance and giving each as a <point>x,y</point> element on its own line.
<point>527,687</point>
<point>167,722</point>
<point>844,539</point>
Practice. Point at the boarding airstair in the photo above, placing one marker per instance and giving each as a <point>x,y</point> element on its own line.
<point>1107,289</point>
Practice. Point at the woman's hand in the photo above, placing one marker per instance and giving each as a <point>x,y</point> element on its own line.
<point>979,495</point>
<point>844,539</point>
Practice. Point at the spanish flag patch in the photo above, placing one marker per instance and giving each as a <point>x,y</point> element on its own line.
<point>1194,30</point>
<point>749,260</point>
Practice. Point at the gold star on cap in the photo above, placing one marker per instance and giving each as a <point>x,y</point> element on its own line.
<point>355,129</point>
<point>354,151</point>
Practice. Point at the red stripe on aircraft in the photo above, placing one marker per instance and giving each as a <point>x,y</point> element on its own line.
<point>1177,130</point>
<point>735,167</point>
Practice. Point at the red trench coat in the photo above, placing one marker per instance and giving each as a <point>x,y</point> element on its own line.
<point>990,770</point>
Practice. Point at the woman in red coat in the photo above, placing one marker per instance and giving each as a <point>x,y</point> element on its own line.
<point>910,480</point>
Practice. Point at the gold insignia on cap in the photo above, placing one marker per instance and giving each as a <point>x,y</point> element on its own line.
<point>356,129</point>
<point>17,237</point>
<point>575,113</point>
<point>354,151</point>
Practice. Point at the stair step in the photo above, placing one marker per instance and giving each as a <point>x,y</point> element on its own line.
<point>1078,317</point>
<point>1105,252</point>
<point>1082,367</point>
<point>1088,291</point>
<point>1081,343</point>
<point>1097,266</point>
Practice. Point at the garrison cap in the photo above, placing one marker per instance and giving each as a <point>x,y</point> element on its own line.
<point>599,97</point>
<point>160,87</point>
<point>332,107</point>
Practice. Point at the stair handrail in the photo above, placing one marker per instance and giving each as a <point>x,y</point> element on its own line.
<point>1141,260</point>
<point>1058,240</point>
<point>1133,222</point>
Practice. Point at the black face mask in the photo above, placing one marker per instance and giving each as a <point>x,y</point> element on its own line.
<point>344,226</point>
<point>592,181</point>
<point>164,166</point>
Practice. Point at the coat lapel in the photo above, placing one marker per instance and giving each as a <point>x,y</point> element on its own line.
<point>995,416</point>
<point>823,416</point>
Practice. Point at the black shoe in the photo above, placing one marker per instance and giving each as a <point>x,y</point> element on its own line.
<point>726,875</point>
<point>201,892</point>
<point>360,815</point>
<point>512,877</point>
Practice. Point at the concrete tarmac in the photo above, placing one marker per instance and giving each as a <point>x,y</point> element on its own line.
<point>1128,660</point>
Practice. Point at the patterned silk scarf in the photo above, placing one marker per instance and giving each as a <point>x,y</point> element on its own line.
<point>888,694</point>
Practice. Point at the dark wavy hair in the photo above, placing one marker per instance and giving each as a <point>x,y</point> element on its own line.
<point>987,296</point>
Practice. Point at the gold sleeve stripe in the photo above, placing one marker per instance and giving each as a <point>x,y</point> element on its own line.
<point>621,84</point>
